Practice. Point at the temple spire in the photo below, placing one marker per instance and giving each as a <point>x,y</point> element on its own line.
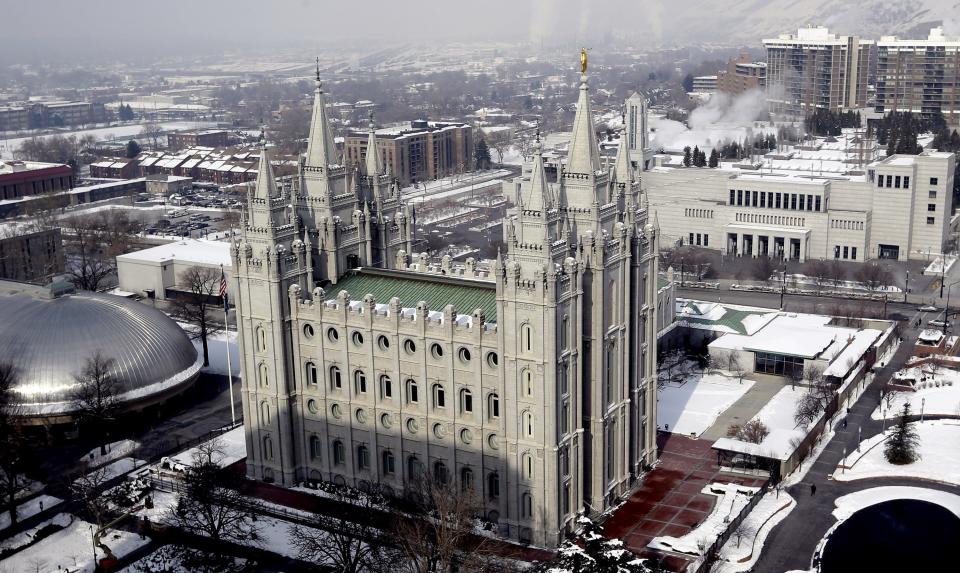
<point>584,153</point>
<point>266,183</point>
<point>622,170</point>
<point>321,149</point>
<point>374,166</point>
<point>540,197</point>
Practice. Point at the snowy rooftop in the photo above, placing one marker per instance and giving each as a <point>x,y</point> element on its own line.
<point>727,318</point>
<point>188,250</point>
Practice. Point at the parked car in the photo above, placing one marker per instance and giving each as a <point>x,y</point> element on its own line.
<point>928,308</point>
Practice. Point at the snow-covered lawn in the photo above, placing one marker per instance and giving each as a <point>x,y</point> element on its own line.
<point>937,392</point>
<point>736,556</point>
<point>29,509</point>
<point>169,559</point>
<point>939,456</point>
<point>216,350</point>
<point>777,415</point>
<point>112,470</point>
<point>233,449</point>
<point>71,548</point>
<point>694,406</point>
<point>732,498</point>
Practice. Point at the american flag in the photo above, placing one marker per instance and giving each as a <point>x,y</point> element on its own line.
<point>223,289</point>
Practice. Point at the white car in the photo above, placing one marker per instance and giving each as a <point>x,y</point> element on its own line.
<point>928,308</point>
<point>938,323</point>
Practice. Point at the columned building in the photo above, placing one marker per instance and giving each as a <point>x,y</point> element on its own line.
<point>529,380</point>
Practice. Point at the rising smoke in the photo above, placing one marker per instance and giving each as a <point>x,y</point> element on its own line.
<point>722,117</point>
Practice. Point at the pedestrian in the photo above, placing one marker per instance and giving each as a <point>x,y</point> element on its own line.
<point>813,489</point>
<point>41,505</point>
<point>844,423</point>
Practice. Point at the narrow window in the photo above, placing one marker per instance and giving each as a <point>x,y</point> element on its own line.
<point>386,387</point>
<point>466,401</point>
<point>311,373</point>
<point>412,391</point>
<point>361,381</point>
<point>493,406</point>
<point>335,381</point>
<point>439,397</point>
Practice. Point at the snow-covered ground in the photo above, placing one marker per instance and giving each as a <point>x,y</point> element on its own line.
<point>693,407</point>
<point>216,350</point>
<point>71,548</point>
<point>732,499</point>
<point>936,266</point>
<point>169,560</point>
<point>9,146</point>
<point>939,456</point>
<point>115,451</point>
<point>233,449</point>
<point>30,508</point>
<point>740,555</point>
<point>936,392</point>
<point>777,415</point>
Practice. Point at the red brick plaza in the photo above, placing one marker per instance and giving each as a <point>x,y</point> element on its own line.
<point>669,501</point>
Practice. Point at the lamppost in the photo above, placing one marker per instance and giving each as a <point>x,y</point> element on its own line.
<point>923,403</point>
<point>783,283</point>
<point>946,309</point>
<point>681,272</point>
<point>906,287</point>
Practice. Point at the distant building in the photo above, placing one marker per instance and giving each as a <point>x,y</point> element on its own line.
<point>637,131</point>
<point>29,254</point>
<point>155,272</point>
<point>14,118</point>
<point>20,179</point>
<point>56,113</point>
<point>742,75</point>
<point>197,137</point>
<point>115,168</point>
<point>919,76</point>
<point>418,151</point>
<point>814,69</point>
<point>705,84</point>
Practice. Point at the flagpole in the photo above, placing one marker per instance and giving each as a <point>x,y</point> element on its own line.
<point>226,338</point>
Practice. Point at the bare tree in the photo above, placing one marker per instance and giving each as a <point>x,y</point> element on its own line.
<point>753,431</point>
<point>88,489</point>
<point>90,264</point>
<point>211,503</point>
<point>96,396</point>
<point>743,530</point>
<point>762,269</point>
<point>153,132</point>
<point>499,141</point>
<point>819,271</point>
<point>836,271</point>
<point>200,285</point>
<point>735,365</point>
<point>812,403</point>
<point>873,275</point>
<point>14,448</point>
<point>345,540</point>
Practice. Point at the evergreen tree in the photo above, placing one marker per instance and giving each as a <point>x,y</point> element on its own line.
<point>687,159</point>
<point>481,155</point>
<point>133,149</point>
<point>901,446</point>
<point>695,159</point>
<point>125,112</point>
<point>688,83</point>
<point>591,552</point>
<point>714,158</point>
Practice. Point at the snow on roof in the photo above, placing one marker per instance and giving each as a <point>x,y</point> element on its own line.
<point>853,352</point>
<point>187,251</point>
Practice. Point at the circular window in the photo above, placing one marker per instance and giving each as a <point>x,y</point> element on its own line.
<point>308,331</point>
<point>357,338</point>
<point>336,411</point>
<point>361,416</point>
<point>333,335</point>
<point>383,342</point>
<point>312,406</point>
<point>464,355</point>
<point>436,350</point>
<point>412,425</point>
<point>492,359</point>
<point>409,346</point>
<point>466,436</point>
<point>386,421</point>
<point>493,442</point>
<point>439,430</point>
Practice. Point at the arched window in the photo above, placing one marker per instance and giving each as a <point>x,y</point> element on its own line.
<point>315,448</point>
<point>466,401</point>
<point>360,379</point>
<point>526,338</point>
<point>526,505</point>
<point>526,466</point>
<point>466,479</point>
<point>439,396</point>
<point>526,382</point>
<point>261,339</point>
<point>389,463</point>
<point>264,414</point>
<point>267,448</point>
<point>263,375</point>
<point>493,485</point>
<point>413,467</point>
<point>336,382</point>
<point>363,458</point>
<point>311,370</point>
<point>386,387</point>
<point>440,473</point>
<point>339,453</point>
<point>493,406</point>
<point>412,396</point>
<point>526,424</point>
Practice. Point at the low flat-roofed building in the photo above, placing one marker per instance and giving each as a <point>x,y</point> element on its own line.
<point>195,137</point>
<point>155,272</point>
<point>26,178</point>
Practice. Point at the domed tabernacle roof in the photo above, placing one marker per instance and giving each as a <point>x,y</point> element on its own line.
<point>49,341</point>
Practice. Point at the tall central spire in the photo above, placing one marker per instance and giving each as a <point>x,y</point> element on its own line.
<point>584,154</point>
<point>321,149</point>
<point>374,167</point>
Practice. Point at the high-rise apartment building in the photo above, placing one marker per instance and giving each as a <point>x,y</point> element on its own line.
<point>814,69</point>
<point>919,76</point>
<point>742,75</point>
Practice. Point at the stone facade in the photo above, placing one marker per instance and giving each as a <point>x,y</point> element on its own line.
<point>530,379</point>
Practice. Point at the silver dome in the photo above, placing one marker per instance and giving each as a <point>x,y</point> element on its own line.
<point>49,341</point>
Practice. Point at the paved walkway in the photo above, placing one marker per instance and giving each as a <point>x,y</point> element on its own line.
<point>746,407</point>
<point>792,543</point>
<point>669,501</point>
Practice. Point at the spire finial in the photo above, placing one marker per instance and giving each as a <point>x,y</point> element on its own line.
<point>317,80</point>
<point>583,61</point>
<point>370,117</point>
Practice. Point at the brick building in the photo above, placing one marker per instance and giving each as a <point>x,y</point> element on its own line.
<point>115,168</point>
<point>197,137</point>
<point>742,75</point>
<point>25,178</point>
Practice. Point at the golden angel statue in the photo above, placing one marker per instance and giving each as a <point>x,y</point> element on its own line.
<point>583,60</point>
